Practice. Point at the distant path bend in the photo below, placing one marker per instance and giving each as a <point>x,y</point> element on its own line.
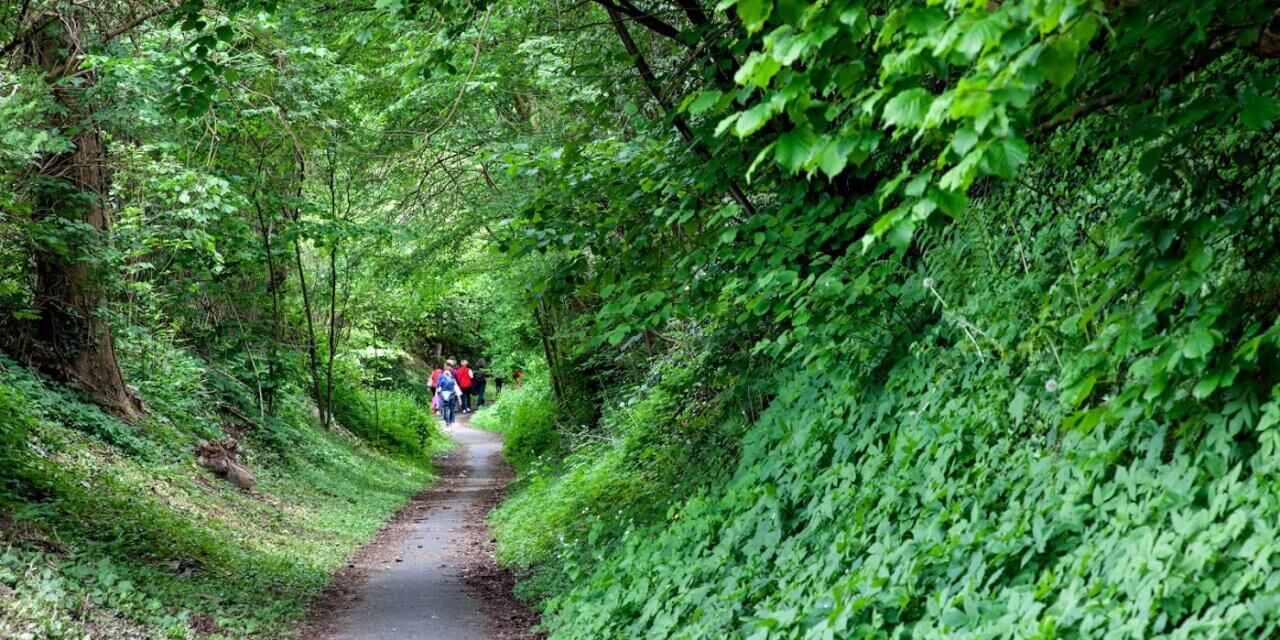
<point>429,575</point>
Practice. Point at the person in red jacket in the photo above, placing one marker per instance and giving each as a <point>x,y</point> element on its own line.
<point>463,374</point>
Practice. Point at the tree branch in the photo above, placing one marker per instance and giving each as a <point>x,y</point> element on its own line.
<point>138,20</point>
<point>1207,56</point>
<point>653,24</point>
<point>651,82</point>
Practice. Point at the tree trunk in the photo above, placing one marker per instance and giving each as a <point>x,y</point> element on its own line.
<point>74,341</point>
<point>333,289</point>
<point>333,329</point>
<point>542,317</point>
<point>273,285</point>
<point>682,126</point>
<point>312,357</point>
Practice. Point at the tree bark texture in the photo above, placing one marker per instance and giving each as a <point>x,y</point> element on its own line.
<point>72,338</point>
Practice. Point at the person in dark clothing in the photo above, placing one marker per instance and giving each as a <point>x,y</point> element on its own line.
<point>479,380</point>
<point>463,375</point>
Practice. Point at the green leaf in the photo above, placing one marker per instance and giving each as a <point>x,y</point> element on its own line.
<point>1005,156</point>
<point>1150,160</point>
<point>907,109</point>
<point>1058,62</point>
<point>978,36</point>
<point>758,70</point>
<point>1080,391</point>
<point>1259,111</point>
<point>1206,386</point>
<point>952,203</point>
<point>959,177</point>
<point>835,156</point>
<point>1198,344</point>
<point>754,13</point>
<point>963,140</point>
<point>704,102</point>
<point>752,119</point>
<point>794,148</point>
<point>926,20</point>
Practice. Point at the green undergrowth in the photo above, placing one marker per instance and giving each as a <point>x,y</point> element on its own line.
<point>1062,421</point>
<point>527,419</point>
<point>110,528</point>
<point>579,493</point>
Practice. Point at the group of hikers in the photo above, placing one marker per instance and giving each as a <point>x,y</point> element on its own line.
<point>457,387</point>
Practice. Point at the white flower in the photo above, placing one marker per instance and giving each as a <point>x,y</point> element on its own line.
<point>928,283</point>
<point>1051,385</point>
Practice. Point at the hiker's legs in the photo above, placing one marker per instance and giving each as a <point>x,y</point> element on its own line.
<point>466,399</point>
<point>480,396</point>
<point>446,410</point>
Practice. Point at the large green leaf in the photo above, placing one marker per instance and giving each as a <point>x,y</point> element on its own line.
<point>907,108</point>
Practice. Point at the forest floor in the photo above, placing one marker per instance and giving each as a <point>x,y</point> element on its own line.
<point>430,572</point>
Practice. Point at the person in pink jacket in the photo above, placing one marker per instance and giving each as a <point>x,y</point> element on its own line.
<point>433,383</point>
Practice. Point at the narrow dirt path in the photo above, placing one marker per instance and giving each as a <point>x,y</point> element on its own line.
<point>429,575</point>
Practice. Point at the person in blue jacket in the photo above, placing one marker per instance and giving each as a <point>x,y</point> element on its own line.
<point>447,391</point>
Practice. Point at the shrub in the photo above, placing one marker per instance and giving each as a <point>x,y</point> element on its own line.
<point>173,382</point>
<point>527,417</point>
<point>391,369</point>
<point>16,423</point>
<point>1044,439</point>
<point>407,419</point>
<point>395,419</point>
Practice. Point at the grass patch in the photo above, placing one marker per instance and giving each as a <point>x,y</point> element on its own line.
<point>104,524</point>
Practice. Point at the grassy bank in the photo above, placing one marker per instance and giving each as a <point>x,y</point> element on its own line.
<point>109,529</point>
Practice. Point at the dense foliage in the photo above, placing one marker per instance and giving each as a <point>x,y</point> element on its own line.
<point>851,318</point>
<point>984,483</point>
<point>217,225</point>
<point>998,273</point>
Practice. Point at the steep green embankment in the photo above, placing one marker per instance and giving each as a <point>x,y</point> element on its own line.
<point>110,529</point>
<point>1059,419</point>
